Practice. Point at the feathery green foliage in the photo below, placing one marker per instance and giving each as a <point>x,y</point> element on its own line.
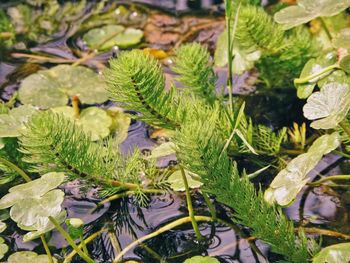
<point>136,80</point>
<point>199,149</point>
<point>256,30</point>
<point>283,53</point>
<point>266,141</point>
<point>192,63</point>
<point>53,142</point>
<point>298,48</point>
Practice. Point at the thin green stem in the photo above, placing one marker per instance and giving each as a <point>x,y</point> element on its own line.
<point>85,250</point>
<point>325,27</point>
<point>114,241</point>
<point>330,178</point>
<point>316,75</point>
<point>47,249</point>
<point>86,241</point>
<point>345,126</point>
<point>210,205</point>
<point>16,169</point>
<point>126,193</point>
<point>161,230</point>
<point>70,240</point>
<point>190,207</point>
<point>342,154</point>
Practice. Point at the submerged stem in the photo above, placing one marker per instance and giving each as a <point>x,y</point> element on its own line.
<point>190,207</point>
<point>16,169</point>
<point>210,205</point>
<point>47,249</point>
<point>70,240</point>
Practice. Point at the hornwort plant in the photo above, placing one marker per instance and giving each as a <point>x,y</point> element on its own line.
<point>210,134</point>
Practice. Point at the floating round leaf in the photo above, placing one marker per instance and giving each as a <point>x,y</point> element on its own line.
<point>104,37</point>
<point>345,64</point>
<point>177,184</point>
<point>288,182</point>
<point>3,226</point>
<point>329,106</point>
<point>93,120</point>
<point>201,259</point>
<point>129,37</point>
<point>337,253</point>
<point>3,248</point>
<point>120,124</point>
<point>306,10</point>
<point>162,150</point>
<point>53,87</point>
<point>342,39</point>
<point>12,123</point>
<point>28,257</point>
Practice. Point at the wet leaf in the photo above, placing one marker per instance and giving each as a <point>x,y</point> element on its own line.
<point>93,120</point>
<point>333,254</point>
<point>104,37</point>
<point>221,56</point>
<point>53,87</point>
<point>162,150</point>
<point>329,106</point>
<point>12,123</point>
<point>3,248</point>
<point>120,124</point>
<point>177,184</point>
<point>33,202</point>
<point>112,35</point>
<point>288,182</point>
<point>342,39</point>
<point>306,10</point>
<point>338,76</point>
<point>28,257</point>
<point>201,259</point>
<point>3,226</point>
<point>75,227</point>
<point>345,64</point>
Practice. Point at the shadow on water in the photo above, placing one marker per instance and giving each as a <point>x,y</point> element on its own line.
<point>314,207</point>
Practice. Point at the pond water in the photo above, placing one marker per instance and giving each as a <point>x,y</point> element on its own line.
<point>178,22</point>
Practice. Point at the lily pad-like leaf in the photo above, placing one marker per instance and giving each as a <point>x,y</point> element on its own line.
<point>314,67</point>
<point>177,184</point>
<point>3,226</point>
<point>307,10</point>
<point>120,124</point>
<point>342,39</point>
<point>329,106</point>
<point>93,120</point>
<point>53,87</point>
<point>33,202</point>
<point>112,35</point>
<point>13,122</point>
<point>242,60</point>
<point>344,64</point>
<point>201,259</point>
<point>28,257</point>
<point>162,150</point>
<point>333,254</point>
<point>338,76</point>
<point>288,182</point>
<point>3,248</point>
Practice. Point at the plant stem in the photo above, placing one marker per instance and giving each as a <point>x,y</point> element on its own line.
<point>210,205</point>
<point>70,240</point>
<point>230,38</point>
<point>126,193</point>
<point>345,125</point>
<point>324,25</point>
<point>325,232</point>
<point>16,169</point>
<point>85,250</point>
<point>47,249</point>
<point>161,230</point>
<point>86,241</point>
<point>189,206</point>
<point>114,241</point>
<point>342,154</point>
<point>316,75</point>
<point>330,178</point>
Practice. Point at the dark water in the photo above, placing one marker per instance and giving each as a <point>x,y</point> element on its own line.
<point>314,207</point>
